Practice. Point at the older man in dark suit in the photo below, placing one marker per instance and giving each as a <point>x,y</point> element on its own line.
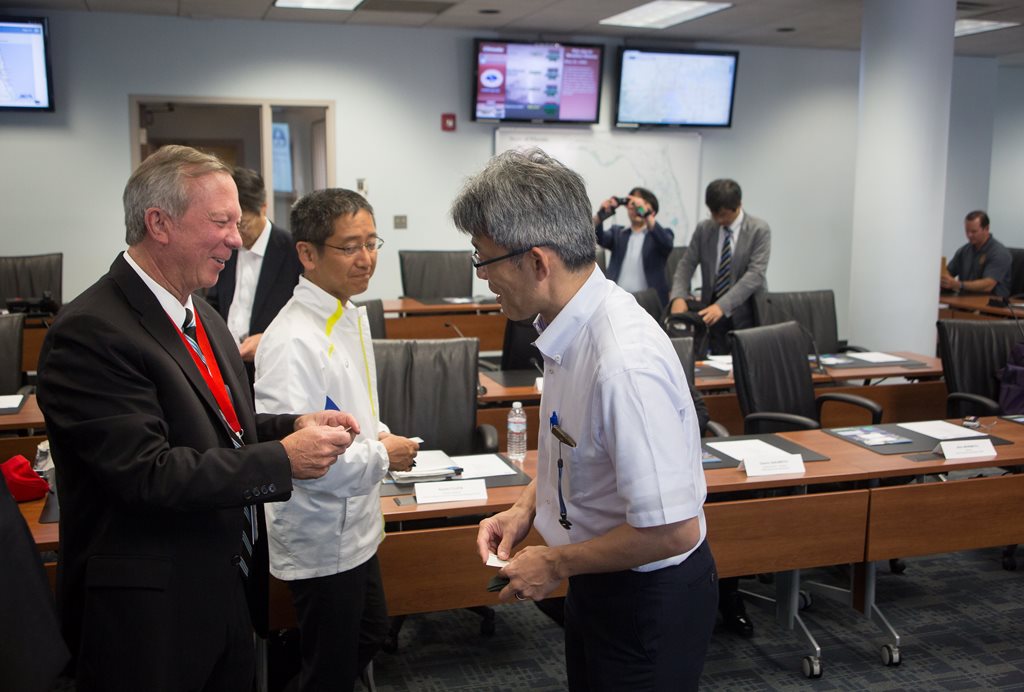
<point>732,250</point>
<point>161,460</point>
<point>259,277</point>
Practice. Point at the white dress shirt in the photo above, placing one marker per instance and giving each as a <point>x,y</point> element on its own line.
<point>317,349</point>
<point>248,264</point>
<point>631,275</point>
<point>175,310</point>
<point>618,388</point>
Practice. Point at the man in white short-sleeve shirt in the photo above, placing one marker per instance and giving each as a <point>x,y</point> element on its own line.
<point>619,488</point>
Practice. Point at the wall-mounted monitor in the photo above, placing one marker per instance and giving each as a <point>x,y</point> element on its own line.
<point>25,82</point>
<point>537,82</point>
<point>678,88</point>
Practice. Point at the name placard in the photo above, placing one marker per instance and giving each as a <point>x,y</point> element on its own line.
<point>782,464</point>
<point>966,449</point>
<point>451,491</point>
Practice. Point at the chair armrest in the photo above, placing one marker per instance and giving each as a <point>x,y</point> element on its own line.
<point>873,407</point>
<point>716,429</point>
<point>976,403</point>
<point>485,439</point>
<point>753,422</point>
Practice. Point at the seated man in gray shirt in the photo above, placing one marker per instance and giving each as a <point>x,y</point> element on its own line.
<point>982,265</point>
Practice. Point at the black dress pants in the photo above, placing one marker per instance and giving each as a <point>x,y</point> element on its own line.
<point>342,623</point>
<point>641,630</point>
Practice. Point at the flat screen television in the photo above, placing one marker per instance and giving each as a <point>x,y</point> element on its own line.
<point>537,82</point>
<point>679,88</point>
<point>25,82</point>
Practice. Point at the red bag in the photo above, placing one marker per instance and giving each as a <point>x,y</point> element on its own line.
<point>24,483</point>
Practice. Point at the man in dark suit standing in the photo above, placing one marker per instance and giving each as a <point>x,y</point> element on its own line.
<point>161,460</point>
<point>639,252</point>
<point>259,277</point>
<point>732,250</point>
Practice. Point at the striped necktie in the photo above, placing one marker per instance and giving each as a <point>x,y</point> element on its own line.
<point>250,529</point>
<point>723,278</point>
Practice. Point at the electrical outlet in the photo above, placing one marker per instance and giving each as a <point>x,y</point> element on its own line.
<point>401,222</point>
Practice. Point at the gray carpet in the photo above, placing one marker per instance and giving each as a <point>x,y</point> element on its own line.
<point>961,617</point>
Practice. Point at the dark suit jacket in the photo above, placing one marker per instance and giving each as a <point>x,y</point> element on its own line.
<point>749,263</point>
<point>150,486</point>
<point>278,276</point>
<point>654,253</point>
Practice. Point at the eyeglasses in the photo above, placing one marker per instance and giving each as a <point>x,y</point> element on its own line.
<point>515,253</point>
<point>566,439</point>
<point>350,250</point>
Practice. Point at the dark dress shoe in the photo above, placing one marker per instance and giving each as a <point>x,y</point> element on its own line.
<point>738,623</point>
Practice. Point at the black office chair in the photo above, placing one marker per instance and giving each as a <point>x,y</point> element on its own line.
<point>428,387</point>
<point>973,352</point>
<point>649,300</point>
<point>773,381</point>
<point>815,311</point>
<point>1016,271</point>
<point>430,274</point>
<point>375,315</point>
<point>517,349</point>
<point>672,262</point>
<point>12,380</point>
<point>37,279</point>
<point>684,349</point>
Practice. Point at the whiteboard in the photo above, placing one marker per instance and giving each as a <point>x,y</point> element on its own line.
<point>613,163</point>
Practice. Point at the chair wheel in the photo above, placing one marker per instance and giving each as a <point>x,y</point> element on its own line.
<point>811,666</point>
<point>804,600</point>
<point>897,566</point>
<point>891,655</point>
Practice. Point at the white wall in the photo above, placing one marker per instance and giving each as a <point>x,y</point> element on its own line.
<point>61,175</point>
<point>1004,202</point>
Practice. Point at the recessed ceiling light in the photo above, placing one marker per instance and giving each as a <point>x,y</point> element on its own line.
<point>662,14</point>
<point>318,4</point>
<point>966,27</point>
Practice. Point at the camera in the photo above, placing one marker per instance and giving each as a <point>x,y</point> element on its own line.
<point>623,201</point>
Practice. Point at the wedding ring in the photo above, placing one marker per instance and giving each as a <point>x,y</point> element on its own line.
<point>519,596</point>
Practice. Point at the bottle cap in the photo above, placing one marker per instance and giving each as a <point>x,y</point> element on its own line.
<point>517,404</point>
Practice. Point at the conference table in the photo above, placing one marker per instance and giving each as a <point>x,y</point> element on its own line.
<point>445,318</point>
<point>921,399</point>
<point>437,568</point>
<point>975,306</point>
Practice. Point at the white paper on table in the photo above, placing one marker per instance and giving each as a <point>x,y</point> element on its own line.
<point>718,365</point>
<point>451,491</point>
<point>494,561</point>
<point>941,430</point>
<point>481,466</point>
<point>11,401</point>
<point>788,464</point>
<point>430,463</point>
<point>721,359</point>
<point>745,450</point>
<point>966,449</point>
<point>875,357</point>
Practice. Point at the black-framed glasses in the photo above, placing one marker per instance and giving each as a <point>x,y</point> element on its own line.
<point>349,250</point>
<point>566,439</point>
<point>477,263</point>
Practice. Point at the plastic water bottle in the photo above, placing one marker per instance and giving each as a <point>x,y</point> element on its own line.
<point>517,432</point>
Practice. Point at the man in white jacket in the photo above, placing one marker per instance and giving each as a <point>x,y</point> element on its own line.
<point>317,354</point>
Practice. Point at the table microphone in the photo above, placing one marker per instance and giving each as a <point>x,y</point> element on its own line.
<point>1006,303</point>
<point>452,325</point>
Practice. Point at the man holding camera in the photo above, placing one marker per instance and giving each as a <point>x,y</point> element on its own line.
<point>639,253</point>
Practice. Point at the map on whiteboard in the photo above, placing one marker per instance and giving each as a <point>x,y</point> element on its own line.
<point>613,163</point>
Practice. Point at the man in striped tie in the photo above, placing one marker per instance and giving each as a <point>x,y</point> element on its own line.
<point>732,250</point>
<point>162,463</point>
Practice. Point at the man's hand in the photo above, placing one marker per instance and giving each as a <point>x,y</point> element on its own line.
<point>949,283</point>
<point>313,449</point>
<point>247,348</point>
<point>711,314</point>
<point>532,573</point>
<point>500,533</point>
<point>335,419</point>
<point>401,451</point>
<point>678,306</point>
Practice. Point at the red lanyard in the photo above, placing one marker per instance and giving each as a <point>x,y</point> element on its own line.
<point>211,374</point>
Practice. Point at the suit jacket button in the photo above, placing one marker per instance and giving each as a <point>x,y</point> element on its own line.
<point>272,487</point>
<point>264,490</point>
<point>247,495</point>
<point>256,492</point>
<point>236,559</point>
